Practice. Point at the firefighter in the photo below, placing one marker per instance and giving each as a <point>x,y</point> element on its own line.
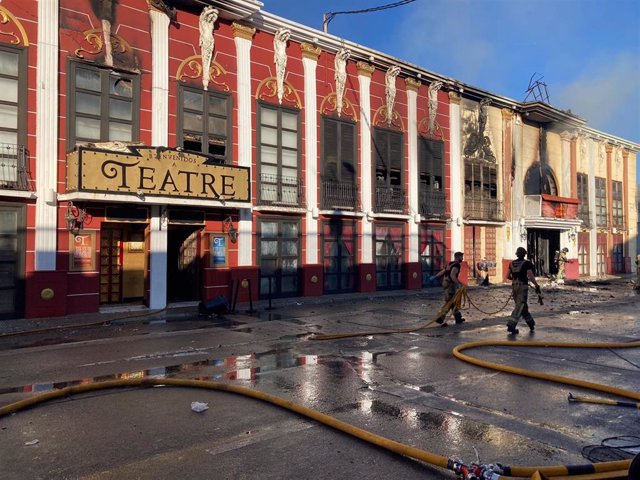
<point>562,260</point>
<point>520,274</point>
<point>451,284</point>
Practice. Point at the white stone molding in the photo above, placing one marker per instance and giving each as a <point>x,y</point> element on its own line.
<point>593,233</point>
<point>565,183</point>
<point>366,246</point>
<point>434,87</point>
<point>243,61</point>
<point>159,77</point>
<point>390,90</point>
<point>340,64</point>
<point>158,257</point>
<point>46,134</point>
<point>280,58</point>
<point>311,156</point>
<point>414,205</point>
<point>455,179</point>
<point>207,22</point>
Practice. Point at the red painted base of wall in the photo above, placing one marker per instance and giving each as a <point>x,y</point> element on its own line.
<point>312,280</point>
<point>252,275</point>
<point>36,306</point>
<point>572,268</point>
<point>463,276</point>
<point>367,277</point>
<point>505,269</point>
<point>82,292</point>
<point>412,276</point>
<point>217,281</point>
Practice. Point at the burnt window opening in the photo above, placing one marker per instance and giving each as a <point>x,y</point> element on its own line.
<point>616,206</point>
<point>601,202</point>
<point>388,158</point>
<point>583,197</point>
<point>540,179</point>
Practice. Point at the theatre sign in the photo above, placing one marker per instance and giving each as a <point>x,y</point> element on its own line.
<point>155,171</point>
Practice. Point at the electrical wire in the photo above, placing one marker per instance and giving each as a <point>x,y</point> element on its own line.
<point>329,15</point>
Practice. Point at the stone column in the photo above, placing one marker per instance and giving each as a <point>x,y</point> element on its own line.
<point>310,55</point>
<point>592,146</point>
<point>517,193</point>
<point>243,37</point>
<point>365,71</point>
<point>159,137</point>
<point>456,190</point>
<point>413,170</point>
<point>46,135</point>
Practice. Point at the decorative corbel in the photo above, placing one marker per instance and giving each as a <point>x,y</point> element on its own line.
<point>280,58</point>
<point>390,90</point>
<point>207,22</point>
<point>340,64</point>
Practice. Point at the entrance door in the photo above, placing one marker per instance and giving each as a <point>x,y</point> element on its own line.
<point>123,255</point>
<point>183,263</point>
<point>583,253</point>
<point>617,255</point>
<point>110,264</point>
<point>11,254</point>
<point>279,257</point>
<point>389,249</point>
<point>432,252</point>
<point>541,247</point>
<point>338,256</point>
<point>601,254</point>
<point>472,248</point>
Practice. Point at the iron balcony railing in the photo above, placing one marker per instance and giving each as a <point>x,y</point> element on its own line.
<point>389,199</point>
<point>432,203</point>
<point>339,195</point>
<point>483,209</point>
<point>13,167</point>
<point>277,190</point>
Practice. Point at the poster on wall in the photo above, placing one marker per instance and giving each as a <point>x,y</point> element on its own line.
<point>82,251</point>
<point>218,250</point>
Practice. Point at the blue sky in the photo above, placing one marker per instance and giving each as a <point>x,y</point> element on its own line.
<point>588,51</point>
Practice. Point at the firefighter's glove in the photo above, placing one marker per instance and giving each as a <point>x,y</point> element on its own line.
<point>538,289</point>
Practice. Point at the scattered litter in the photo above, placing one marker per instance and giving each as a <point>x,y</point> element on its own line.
<point>199,406</point>
<point>32,442</point>
<point>592,289</point>
<point>574,312</point>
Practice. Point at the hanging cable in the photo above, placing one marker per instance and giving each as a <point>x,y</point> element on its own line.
<point>327,17</point>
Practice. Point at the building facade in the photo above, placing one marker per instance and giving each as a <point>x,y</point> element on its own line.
<point>159,152</point>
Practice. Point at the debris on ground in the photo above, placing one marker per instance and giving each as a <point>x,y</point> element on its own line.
<point>199,407</point>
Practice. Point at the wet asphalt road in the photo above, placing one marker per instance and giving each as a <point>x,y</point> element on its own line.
<point>407,387</point>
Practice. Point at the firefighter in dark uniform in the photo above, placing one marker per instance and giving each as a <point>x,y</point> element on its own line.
<point>520,274</point>
<point>451,284</point>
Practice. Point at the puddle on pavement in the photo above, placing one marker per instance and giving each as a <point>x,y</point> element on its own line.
<point>232,367</point>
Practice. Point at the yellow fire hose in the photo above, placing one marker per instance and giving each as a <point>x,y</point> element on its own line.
<point>617,469</point>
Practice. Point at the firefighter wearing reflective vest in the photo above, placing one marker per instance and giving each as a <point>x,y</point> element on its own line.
<point>520,274</point>
<point>450,284</point>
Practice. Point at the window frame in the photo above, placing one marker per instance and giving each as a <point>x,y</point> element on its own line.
<point>375,156</point>
<point>105,74</point>
<point>582,190</point>
<point>22,100</point>
<point>279,109</point>
<point>617,209</point>
<point>601,202</point>
<point>323,149</point>
<point>180,130</point>
<point>492,169</point>
<point>422,151</point>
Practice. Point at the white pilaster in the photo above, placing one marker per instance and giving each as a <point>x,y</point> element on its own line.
<point>243,60</point>
<point>414,205</point>
<point>46,134</point>
<point>517,190</point>
<point>565,186</point>
<point>456,190</point>
<point>158,260</point>
<point>159,78</point>
<point>311,149</point>
<point>366,246</point>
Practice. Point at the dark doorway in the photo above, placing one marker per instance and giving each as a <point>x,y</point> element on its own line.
<point>12,248</point>
<point>541,247</point>
<point>183,263</point>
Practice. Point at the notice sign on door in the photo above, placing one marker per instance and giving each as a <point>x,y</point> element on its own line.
<point>218,250</point>
<point>82,251</point>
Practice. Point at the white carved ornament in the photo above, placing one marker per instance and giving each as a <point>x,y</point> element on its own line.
<point>390,90</point>
<point>208,19</point>
<point>280,58</point>
<point>433,105</point>
<point>341,76</point>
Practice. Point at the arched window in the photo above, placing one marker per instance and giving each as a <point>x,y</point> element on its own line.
<point>540,179</point>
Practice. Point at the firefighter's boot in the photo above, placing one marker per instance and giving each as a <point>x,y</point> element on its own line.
<point>511,327</point>
<point>458,317</point>
<point>532,324</point>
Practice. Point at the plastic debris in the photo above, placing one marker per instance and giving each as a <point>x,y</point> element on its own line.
<point>32,442</point>
<point>199,406</point>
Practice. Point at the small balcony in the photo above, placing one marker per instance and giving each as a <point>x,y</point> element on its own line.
<point>432,204</point>
<point>280,191</point>
<point>483,209</point>
<point>13,168</point>
<point>551,206</point>
<point>389,199</point>
<point>339,196</point>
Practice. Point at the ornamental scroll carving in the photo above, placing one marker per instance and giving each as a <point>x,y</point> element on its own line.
<point>329,106</point>
<point>280,59</point>
<point>94,44</point>
<point>433,105</point>
<point>268,88</point>
<point>191,68</point>
<point>390,90</point>
<point>381,119</point>
<point>11,29</point>
<point>340,76</point>
<point>478,145</point>
<point>207,22</point>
